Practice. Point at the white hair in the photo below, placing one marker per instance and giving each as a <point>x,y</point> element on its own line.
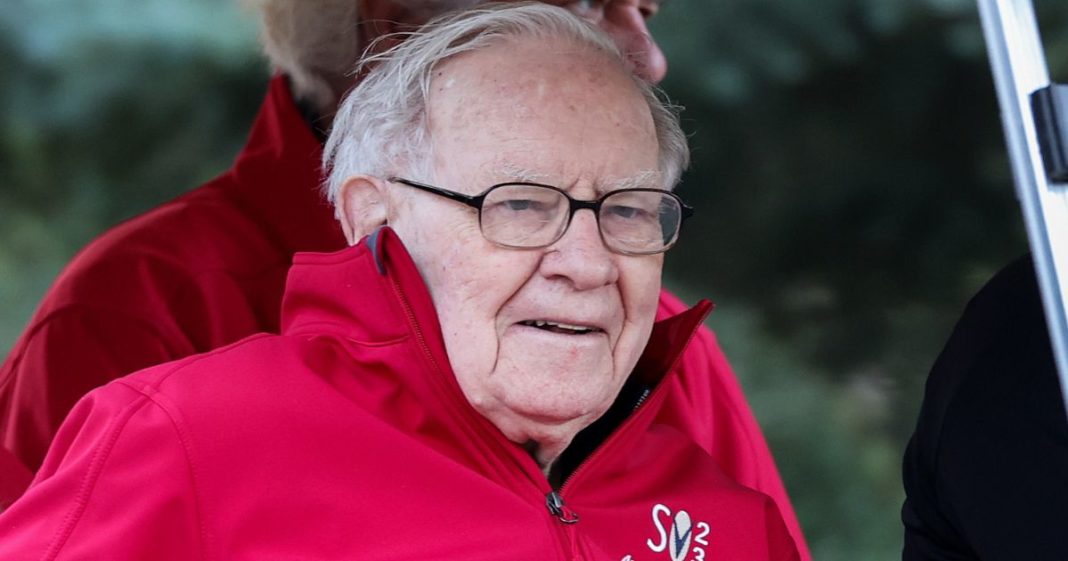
<point>381,128</point>
<point>316,43</point>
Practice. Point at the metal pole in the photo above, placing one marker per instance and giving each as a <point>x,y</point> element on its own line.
<point>1019,65</point>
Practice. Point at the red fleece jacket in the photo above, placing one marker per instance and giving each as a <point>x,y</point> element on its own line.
<point>348,437</point>
<point>208,269</point>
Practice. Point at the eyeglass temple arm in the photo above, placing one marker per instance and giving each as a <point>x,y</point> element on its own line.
<point>469,200</point>
<point>687,210</point>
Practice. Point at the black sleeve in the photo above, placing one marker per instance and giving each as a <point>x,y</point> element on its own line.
<point>986,471</point>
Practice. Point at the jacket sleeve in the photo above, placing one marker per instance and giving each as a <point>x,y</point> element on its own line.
<point>59,359</point>
<point>781,546</point>
<point>117,484</point>
<point>929,534</point>
<point>733,436</point>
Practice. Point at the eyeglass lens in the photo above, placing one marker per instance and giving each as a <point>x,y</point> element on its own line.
<point>631,221</point>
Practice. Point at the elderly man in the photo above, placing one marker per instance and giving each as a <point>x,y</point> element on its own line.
<point>208,269</point>
<point>433,389</point>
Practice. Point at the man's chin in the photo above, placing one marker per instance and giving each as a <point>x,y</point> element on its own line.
<point>544,428</point>
<point>548,367</point>
<point>547,419</point>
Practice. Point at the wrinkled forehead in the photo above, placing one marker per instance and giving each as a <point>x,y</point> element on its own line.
<point>526,73</point>
<point>520,101</point>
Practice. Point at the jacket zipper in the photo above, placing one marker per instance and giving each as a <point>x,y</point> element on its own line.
<point>411,321</point>
<point>607,443</point>
<point>559,509</point>
<point>566,532</point>
<point>553,501</point>
<point>645,398</point>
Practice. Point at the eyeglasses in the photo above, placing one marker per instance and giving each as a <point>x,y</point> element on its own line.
<point>530,215</point>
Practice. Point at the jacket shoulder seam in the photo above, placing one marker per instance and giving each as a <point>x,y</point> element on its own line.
<point>90,479</point>
<point>151,394</point>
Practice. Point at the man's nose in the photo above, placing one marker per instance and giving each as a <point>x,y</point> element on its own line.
<point>580,256</point>
<point>625,23</point>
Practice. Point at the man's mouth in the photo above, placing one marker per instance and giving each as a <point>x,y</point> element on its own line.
<point>560,327</point>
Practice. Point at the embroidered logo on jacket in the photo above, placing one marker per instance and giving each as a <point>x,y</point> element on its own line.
<point>678,534</point>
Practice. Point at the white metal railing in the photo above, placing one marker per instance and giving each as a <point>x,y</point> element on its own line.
<point>1019,65</point>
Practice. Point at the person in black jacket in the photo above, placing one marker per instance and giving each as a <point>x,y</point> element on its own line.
<point>986,471</point>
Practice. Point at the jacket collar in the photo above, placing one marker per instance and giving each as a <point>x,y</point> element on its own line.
<point>372,292</point>
<point>277,177</point>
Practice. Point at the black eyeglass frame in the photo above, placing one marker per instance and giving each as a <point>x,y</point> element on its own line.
<point>475,201</point>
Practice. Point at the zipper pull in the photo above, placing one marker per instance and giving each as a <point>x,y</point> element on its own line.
<point>555,503</point>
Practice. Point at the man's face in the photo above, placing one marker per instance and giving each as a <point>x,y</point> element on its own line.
<point>573,120</point>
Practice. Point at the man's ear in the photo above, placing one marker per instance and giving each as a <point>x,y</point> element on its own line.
<point>362,206</point>
<point>383,17</point>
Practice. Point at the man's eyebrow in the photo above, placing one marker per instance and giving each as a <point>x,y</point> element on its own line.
<point>643,179</point>
<point>515,173</point>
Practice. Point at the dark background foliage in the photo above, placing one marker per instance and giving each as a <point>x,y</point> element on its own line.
<point>849,175</point>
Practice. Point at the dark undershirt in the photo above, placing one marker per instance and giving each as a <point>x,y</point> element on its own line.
<point>630,397</point>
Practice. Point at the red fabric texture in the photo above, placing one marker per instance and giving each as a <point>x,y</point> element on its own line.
<point>14,477</point>
<point>348,436</point>
<point>208,269</point>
